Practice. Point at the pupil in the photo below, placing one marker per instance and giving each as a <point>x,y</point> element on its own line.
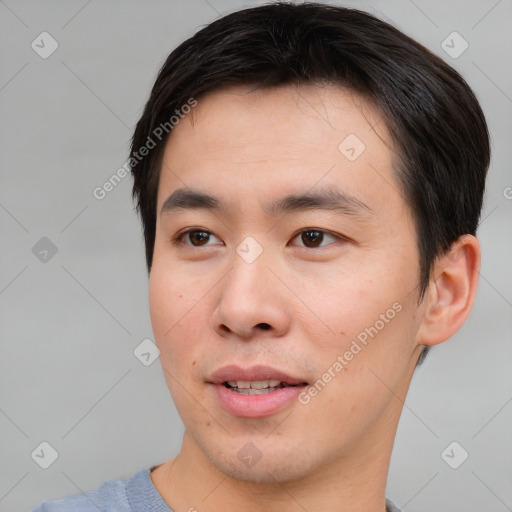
<point>199,236</point>
<point>312,237</point>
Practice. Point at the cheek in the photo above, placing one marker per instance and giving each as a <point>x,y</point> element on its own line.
<point>369,312</point>
<point>172,317</point>
<point>171,308</point>
<point>173,297</point>
<point>345,302</point>
<point>162,302</point>
<point>362,369</point>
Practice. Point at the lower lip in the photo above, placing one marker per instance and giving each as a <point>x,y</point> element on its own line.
<point>255,406</point>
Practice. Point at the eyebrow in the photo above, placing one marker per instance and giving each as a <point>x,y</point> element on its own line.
<point>331,199</point>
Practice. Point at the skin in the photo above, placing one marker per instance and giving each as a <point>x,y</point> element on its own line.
<point>207,304</point>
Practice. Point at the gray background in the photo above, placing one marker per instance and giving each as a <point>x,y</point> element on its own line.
<point>69,324</point>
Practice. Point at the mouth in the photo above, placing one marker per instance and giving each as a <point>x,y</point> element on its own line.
<point>254,392</point>
<point>258,387</point>
<point>255,378</point>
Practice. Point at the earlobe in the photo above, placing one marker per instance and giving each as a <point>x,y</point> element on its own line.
<point>451,292</point>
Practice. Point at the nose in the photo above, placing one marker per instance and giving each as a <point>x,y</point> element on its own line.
<point>252,301</point>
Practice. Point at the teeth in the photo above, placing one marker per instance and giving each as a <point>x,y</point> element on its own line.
<point>255,384</point>
<point>239,384</point>
<point>262,384</point>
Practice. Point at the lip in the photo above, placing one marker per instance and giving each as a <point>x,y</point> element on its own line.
<point>234,372</point>
<point>254,406</point>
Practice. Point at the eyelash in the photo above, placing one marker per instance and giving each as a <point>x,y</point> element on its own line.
<point>178,239</point>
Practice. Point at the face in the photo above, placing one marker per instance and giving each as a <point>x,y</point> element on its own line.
<point>311,299</point>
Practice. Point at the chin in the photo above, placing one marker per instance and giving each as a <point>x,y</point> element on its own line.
<point>261,473</point>
<point>277,465</point>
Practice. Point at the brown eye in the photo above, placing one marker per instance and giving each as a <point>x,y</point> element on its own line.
<point>312,238</point>
<point>198,237</point>
<point>193,238</point>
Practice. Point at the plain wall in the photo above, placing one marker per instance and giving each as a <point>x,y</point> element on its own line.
<point>69,325</point>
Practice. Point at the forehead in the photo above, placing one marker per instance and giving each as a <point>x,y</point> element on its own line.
<point>293,137</point>
<point>309,115</point>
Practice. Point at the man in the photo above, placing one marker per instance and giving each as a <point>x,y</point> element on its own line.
<point>310,181</point>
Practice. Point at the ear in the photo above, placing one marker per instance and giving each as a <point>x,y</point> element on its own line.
<point>451,292</point>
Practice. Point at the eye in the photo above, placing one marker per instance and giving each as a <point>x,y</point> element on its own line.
<point>311,237</point>
<point>314,237</point>
<point>197,237</point>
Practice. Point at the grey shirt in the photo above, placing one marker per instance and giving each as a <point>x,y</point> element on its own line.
<point>135,494</point>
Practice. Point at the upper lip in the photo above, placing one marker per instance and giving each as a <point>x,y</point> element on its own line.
<point>253,373</point>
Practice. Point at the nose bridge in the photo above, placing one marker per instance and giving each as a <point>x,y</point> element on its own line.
<point>248,295</point>
<point>249,276</point>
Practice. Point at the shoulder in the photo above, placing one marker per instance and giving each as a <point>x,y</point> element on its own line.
<point>110,495</point>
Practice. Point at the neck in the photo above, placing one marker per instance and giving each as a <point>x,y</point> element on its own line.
<point>355,481</point>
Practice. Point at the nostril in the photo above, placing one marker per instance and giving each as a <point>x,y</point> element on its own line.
<point>264,326</point>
